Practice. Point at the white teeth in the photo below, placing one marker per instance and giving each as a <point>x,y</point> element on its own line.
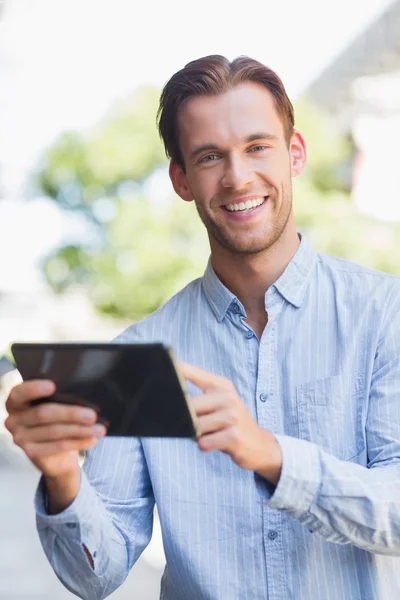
<point>245,205</point>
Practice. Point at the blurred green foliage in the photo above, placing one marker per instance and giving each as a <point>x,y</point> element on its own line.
<point>143,244</point>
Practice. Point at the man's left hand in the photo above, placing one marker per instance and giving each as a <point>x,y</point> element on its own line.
<point>225,424</point>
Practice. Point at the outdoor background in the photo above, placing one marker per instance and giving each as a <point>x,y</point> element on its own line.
<point>92,236</point>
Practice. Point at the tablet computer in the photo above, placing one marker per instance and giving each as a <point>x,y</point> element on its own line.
<point>136,389</point>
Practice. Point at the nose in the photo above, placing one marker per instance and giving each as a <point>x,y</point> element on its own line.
<point>237,174</point>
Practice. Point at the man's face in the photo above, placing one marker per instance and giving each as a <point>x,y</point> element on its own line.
<point>238,167</point>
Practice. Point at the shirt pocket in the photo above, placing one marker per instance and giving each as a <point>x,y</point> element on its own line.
<point>330,415</point>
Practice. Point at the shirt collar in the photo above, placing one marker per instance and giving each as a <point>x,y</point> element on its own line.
<point>218,296</point>
<point>292,284</point>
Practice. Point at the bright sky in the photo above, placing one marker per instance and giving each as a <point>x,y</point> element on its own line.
<point>62,63</point>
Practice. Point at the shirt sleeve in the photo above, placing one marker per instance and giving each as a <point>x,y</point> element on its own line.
<point>112,516</point>
<point>344,502</point>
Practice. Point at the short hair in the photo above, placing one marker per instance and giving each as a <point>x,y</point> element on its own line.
<point>213,75</point>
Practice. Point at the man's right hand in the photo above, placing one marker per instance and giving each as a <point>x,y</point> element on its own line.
<point>51,434</point>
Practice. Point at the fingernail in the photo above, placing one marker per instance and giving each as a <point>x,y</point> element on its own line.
<point>98,429</point>
<point>87,415</point>
<point>45,387</point>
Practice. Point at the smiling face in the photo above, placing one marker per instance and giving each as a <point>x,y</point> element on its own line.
<point>238,167</point>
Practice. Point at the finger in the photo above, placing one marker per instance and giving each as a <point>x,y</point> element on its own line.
<point>50,433</point>
<point>54,413</point>
<point>203,379</point>
<point>209,403</point>
<point>39,450</point>
<point>216,421</point>
<point>219,440</point>
<point>22,394</point>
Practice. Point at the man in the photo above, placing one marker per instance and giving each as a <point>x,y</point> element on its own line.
<point>293,489</point>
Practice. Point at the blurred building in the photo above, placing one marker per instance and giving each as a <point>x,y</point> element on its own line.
<point>361,91</point>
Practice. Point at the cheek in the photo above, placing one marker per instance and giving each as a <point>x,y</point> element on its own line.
<point>278,175</point>
<point>204,186</point>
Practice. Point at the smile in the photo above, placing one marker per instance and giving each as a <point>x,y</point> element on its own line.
<point>246,206</point>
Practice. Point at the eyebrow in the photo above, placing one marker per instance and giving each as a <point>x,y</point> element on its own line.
<point>250,138</point>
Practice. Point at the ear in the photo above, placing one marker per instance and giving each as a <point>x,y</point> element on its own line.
<point>298,154</point>
<point>179,182</point>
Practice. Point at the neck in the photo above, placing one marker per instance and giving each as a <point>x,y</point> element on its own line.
<point>249,276</point>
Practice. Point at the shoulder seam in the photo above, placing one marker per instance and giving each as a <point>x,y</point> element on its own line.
<point>357,269</point>
<point>390,296</point>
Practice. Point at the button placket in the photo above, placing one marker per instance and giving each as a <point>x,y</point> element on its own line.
<point>272,534</point>
<point>263,379</point>
<point>269,417</point>
<point>274,555</point>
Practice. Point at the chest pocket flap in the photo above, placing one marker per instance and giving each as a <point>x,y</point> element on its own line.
<point>330,413</point>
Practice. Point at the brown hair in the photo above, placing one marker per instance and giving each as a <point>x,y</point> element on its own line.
<point>212,75</point>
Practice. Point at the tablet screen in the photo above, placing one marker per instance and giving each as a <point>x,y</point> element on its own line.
<point>135,388</point>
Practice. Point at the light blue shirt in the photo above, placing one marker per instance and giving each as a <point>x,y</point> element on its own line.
<point>325,379</point>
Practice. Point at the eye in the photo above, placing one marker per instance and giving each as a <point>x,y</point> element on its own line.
<point>209,158</point>
<point>258,148</point>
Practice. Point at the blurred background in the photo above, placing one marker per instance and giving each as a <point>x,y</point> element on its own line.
<point>92,237</point>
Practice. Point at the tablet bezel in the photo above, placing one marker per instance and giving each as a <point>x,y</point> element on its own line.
<point>21,352</point>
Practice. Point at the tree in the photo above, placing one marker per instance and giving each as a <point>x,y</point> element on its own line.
<point>141,245</point>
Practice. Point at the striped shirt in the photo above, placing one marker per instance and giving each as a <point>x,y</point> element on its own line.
<point>325,379</point>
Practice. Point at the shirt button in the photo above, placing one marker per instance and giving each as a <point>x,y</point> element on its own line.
<point>249,334</point>
<point>236,308</point>
<point>71,525</point>
<point>272,534</point>
<point>263,397</point>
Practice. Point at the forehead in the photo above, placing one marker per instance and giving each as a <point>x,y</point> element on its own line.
<point>228,118</point>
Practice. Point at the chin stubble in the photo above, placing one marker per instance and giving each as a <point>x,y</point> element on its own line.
<point>272,234</point>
